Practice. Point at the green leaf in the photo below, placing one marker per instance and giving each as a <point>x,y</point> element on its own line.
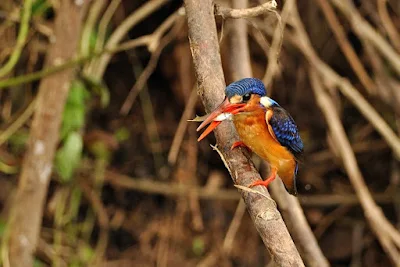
<point>77,94</point>
<point>75,109</point>
<point>73,120</point>
<point>68,156</point>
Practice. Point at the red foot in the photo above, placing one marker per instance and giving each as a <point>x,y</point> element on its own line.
<point>266,181</point>
<point>239,143</point>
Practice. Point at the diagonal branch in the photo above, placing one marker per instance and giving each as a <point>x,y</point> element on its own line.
<point>205,51</point>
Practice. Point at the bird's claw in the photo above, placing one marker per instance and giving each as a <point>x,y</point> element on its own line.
<point>267,181</point>
<point>239,144</point>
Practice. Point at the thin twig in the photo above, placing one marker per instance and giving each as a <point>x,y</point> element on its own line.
<point>102,30</point>
<point>182,126</point>
<point>226,12</point>
<point>71,63</point>
<point>233,227</point>
<point>22,35</point>
<point>89,27</point>
<point>25,115</point>
<point>148,115</point>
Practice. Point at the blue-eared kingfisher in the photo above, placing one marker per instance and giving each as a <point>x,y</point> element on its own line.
<point>263,126</point>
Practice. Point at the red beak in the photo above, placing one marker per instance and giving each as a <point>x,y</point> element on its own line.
<point>224,107</point>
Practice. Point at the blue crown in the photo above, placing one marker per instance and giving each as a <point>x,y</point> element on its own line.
<point>246,86</point>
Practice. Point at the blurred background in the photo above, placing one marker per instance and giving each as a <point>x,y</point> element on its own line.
<point>131,186</point>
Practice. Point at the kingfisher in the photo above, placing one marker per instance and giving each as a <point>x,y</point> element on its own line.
<point>263,126</point>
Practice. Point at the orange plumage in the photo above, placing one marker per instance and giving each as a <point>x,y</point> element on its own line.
<point>253,131</point>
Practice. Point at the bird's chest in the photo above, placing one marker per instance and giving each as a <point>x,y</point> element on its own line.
<point>253,132</point>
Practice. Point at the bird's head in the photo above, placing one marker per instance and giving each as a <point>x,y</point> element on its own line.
<point>239,95</point>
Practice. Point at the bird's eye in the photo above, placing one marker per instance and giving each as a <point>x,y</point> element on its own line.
<point>246,97</point>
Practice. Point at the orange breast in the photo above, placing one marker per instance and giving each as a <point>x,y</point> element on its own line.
<point>253,132</point>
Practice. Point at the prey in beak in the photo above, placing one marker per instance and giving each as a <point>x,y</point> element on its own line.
<point>224,111</point>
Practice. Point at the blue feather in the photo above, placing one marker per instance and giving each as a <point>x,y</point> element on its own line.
<point>285,130</point>
<point>246,86</point>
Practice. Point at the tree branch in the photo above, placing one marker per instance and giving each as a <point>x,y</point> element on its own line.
<point>26,216</point>
<point>227,12</point>
<point>205,51</point>
<point>149,185</point>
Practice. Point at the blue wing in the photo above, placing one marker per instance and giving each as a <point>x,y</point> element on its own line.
<point>285,130</point>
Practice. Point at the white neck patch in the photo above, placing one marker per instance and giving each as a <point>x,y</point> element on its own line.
<point>266,101</point>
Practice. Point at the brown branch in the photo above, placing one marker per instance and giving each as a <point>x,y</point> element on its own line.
<point>239,53</point>
<point>227,12</point>
<point>207,62</point>
<point>27,211</point>
<point>182,126</point>
<point>234,227</point>
<point>298,226</point>
<point>149,185</point>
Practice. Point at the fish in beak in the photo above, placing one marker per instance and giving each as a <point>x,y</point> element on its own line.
<point>223,112</point>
